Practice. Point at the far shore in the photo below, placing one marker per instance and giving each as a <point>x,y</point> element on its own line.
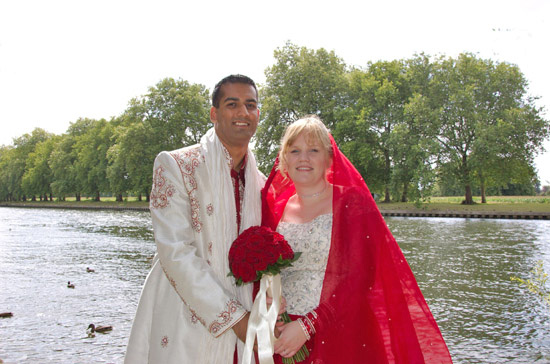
<point>510,207</point>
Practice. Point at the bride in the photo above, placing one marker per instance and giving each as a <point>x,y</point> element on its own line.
<point>352,295</point>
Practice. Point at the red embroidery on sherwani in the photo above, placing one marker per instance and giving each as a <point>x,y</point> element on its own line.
<point>225,317</point>
<point>164,341</point>
<point>209,209</point>
<point>188,160</point>
<point>161,190</point>
<point>210,248</point>
<point>196,318</point>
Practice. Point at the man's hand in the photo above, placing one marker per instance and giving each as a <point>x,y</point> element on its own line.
<point>240,327</point>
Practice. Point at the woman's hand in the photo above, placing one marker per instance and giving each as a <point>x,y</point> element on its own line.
<point>291,339</point>
<point>282,307</point>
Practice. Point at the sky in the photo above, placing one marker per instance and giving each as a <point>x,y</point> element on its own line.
<point>65,59</point>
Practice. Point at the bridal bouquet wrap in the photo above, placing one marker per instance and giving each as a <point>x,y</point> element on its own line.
<point>259,254</point>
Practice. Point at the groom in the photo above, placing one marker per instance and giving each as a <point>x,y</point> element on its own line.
<point>203,196</point>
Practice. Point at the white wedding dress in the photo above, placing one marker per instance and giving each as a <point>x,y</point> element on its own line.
<point>303,282</point>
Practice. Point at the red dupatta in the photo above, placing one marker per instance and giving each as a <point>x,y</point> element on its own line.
<point>371,308</point>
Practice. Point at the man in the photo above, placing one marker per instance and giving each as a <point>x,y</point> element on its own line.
<point>203,196</point>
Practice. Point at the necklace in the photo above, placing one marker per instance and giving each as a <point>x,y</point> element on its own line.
<point>314,194</point>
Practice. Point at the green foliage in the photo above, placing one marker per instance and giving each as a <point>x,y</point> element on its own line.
<point>301,82</point>
<point>413,128</point>
<point>171,115</point>
<point>537,284</point>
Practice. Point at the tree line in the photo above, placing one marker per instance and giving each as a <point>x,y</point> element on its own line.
<point>412,127</point>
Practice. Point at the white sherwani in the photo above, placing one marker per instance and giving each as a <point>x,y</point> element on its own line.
<point>188,304</point>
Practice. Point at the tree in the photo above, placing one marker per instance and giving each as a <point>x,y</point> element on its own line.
<point>23,146</point>
<point>302,81</point>
<point>173,114</point>
<point>6,157</point>
<point>63,160</point>
<point>379,96</point>
<point>482,116</point>
<point>38,175</point>
<point>91,164</point>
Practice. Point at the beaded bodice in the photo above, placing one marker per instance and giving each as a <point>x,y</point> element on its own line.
<point>303,282</point>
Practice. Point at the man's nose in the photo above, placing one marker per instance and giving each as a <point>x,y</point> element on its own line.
<point>242,110</point>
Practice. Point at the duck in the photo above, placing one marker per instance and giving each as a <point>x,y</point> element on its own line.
<point>70,285</point>
<point>89,270</point>
<point>92,329</point>
<point>6,314</point>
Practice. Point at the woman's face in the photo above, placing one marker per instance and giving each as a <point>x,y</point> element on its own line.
<point>307,163</point>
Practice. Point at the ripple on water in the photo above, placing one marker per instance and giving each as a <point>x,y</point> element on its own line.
<point>463,267</point>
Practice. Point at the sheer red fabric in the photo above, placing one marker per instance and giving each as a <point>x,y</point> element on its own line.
<point>371,308</point>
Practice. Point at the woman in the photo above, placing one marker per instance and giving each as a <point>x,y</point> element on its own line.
<point>354,295</point>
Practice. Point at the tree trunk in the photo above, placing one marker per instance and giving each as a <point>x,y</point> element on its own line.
<point>387,171</point>
<point>468,199</point>
<point>97,197</point>
<point>51,197</point>
<point>387,195</point>
<point>147,197</point>
<point>77,197</point>
<point>482,187</point>
<point>119,197</point>
<point>139,197</point>
<point>405,192</point>
<point>33,199</point>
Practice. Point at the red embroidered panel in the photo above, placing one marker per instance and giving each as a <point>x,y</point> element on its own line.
<point>225,317</point>
<point>188,161</point>
<point>161,191</point>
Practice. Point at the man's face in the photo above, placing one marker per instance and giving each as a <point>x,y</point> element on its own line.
<point>236,120</point>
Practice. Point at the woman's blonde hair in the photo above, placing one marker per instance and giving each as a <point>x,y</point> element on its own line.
<point>314,131</point>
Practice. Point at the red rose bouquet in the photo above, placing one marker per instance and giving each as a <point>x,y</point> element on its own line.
<point>259,253</point>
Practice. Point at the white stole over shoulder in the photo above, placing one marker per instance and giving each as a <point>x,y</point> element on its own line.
<point>219,171</point>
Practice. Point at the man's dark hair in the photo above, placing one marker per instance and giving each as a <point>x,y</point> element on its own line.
<point>230,79</point>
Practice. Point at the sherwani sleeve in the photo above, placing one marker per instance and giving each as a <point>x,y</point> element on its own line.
<point>178,250</point>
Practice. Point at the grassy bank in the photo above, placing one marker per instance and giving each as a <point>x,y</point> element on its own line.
<point>506,204</point>
<point>518,204</point>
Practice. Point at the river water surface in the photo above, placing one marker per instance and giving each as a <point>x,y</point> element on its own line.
<point>463,267</point>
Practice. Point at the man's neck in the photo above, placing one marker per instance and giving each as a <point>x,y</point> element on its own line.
<point>237,155</point>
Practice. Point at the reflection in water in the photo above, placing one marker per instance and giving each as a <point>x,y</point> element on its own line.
<point>463,266</point>
<point>40,250</point>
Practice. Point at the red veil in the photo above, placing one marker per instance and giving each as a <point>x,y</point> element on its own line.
<point>371,308</point>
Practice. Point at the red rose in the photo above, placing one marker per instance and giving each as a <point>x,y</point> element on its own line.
<point>259,250</point>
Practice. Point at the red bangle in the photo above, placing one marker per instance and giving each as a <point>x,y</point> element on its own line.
<point>306,331</point>
<point>311,321</point>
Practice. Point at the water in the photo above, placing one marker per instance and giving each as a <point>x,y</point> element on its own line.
<point>463,266</point>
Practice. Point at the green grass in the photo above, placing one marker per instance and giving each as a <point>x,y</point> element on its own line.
<point>494,204</point>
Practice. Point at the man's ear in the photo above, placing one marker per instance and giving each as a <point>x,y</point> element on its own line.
<point>213,115</point>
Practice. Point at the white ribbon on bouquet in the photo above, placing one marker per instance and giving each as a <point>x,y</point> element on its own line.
<point>261,323</point>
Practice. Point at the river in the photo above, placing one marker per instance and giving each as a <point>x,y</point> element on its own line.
<point>463,267</point>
